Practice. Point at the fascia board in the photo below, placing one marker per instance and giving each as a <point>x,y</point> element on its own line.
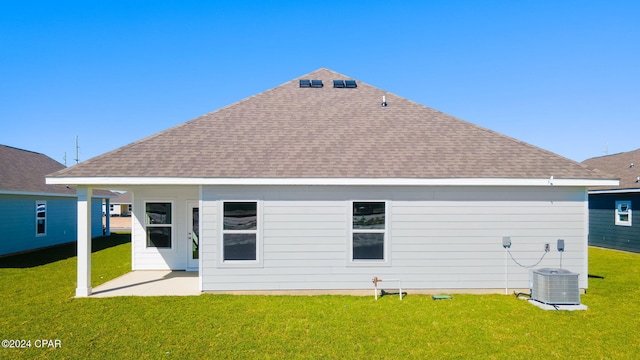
<point>119,181</point>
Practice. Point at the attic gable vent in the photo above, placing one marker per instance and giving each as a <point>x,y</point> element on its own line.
<point>345,84</point>
<point>305,83</point>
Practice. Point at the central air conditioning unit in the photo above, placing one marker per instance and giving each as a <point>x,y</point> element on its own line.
<point>555,287</point>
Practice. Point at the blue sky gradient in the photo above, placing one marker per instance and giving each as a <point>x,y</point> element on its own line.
<point>561,75</point>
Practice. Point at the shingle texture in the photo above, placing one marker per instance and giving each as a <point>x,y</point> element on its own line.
<point>625,166</point>
<point>25,171</point>
<point>293,132</point>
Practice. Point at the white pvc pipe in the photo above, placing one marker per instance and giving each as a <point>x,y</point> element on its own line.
<point>379,280</point>
<point>506,271</point>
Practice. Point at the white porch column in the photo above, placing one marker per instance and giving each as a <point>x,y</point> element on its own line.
<point>84,241</point>
<point>107,220</point>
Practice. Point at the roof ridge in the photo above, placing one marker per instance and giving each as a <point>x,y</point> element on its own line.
<point>616,154</point>
<point>16,148</point>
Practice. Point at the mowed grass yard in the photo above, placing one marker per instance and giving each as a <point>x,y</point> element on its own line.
<point>37,303</point>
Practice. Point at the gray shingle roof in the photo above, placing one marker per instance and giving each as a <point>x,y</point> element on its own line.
<point>25,171</point>
<point>293,132</point>
<point>620,166</point>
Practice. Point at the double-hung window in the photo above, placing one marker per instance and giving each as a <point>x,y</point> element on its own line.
<point>159,224</point>
<point>623,213</point>
<point>240,231</point>
<point>41,218</point>
<point>368,231</point>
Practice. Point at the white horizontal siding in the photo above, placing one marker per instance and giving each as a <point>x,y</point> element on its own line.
<point>161,259</point>
<point>440,237</point>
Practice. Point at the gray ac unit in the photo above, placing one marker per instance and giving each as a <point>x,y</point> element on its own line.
<point>555,287</point>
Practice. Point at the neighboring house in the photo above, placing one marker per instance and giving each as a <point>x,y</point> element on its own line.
<point>324,182</point>
<point>614,211</point>
<point>120,213</point>
<point>33,214</point>
<point>118,206</point>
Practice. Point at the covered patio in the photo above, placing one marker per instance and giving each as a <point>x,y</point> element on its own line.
<point>150,283</point>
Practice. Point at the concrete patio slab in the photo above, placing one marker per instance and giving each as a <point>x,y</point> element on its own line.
<point>557,307</point>
<point>150,283</point>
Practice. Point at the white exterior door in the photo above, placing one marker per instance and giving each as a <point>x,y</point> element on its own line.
<point>193,236</point>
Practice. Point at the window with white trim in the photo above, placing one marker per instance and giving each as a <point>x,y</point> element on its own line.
<point>623,213</point>
<point>240,231</point>
<point>159,224</point>
<point>368,231</point>
<point>41,218</point>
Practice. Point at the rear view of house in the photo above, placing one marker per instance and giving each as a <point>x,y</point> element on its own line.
<point>325,182</point>
<point>32,213</point>
<point>614,211</point>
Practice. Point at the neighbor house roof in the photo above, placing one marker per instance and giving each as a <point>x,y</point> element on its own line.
<point>324,132</point>
<point>122,198</point>
<point>24,172</point>
<point>624,165</point>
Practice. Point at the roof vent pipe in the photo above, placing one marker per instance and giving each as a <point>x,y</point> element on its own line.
<point>638,179</point>
<point>632,165</point>
<point>384,101</point>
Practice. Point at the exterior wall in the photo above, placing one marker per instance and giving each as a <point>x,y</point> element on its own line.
<point>439,237</point>
<point>117,209</point>
<point>175,258</point>
<point>96,217</point>
<point>602,228</point>
<point>18,222</point>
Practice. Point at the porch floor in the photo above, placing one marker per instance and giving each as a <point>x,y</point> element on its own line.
<point>150,283</point>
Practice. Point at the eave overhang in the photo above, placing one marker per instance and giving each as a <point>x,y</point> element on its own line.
<point>118,181</point>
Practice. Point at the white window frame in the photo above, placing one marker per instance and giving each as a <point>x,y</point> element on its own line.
<point>44,203</point>
<point>171,226</point>
<point>619,211</point>
<point>258,262</point>
<point>386,252</point>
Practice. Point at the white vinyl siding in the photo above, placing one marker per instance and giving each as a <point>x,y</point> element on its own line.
<point>155,258</point>
<point>439,237</point>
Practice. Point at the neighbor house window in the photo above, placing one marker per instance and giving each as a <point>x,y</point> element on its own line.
<point>159,224</point>
<point>240,231</point>
<point>41,218</point>
<point>368,231</point>
<point>623,213</point>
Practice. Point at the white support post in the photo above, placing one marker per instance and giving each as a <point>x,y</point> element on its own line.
<point>83,288</point>
<point>107,217</point>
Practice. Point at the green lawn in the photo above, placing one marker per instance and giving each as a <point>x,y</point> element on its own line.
<point>37,303</point>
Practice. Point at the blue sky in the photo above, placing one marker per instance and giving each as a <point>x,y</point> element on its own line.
<point>561,75</point>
